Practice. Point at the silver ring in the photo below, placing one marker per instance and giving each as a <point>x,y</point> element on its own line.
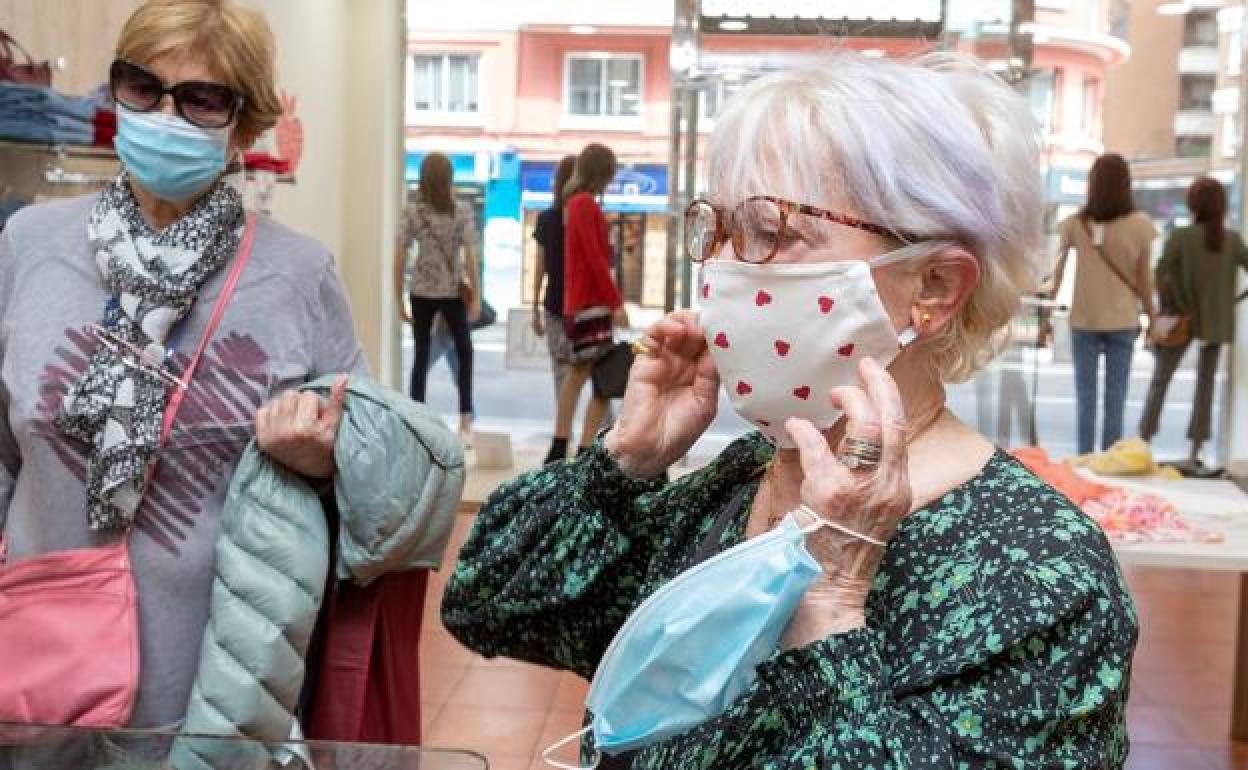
<point>860,454</point>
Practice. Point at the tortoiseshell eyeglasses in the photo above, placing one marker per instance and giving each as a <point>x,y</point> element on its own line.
<point>759,227</point>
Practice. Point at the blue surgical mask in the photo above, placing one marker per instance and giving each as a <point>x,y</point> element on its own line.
<point>687,652</point>
<point>170,157</point>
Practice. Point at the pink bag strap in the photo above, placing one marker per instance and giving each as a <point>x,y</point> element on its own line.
<point>218,312</point>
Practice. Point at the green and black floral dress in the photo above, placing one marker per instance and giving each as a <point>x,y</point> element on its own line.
<point>999,629</point>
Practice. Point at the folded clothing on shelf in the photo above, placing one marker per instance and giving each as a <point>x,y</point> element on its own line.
<point>1126,515</point>
<point>39,114</point>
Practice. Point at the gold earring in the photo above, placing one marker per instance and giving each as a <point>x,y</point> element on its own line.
<point>925,319</point>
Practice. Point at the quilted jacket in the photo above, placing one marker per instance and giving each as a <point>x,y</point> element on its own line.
<point>399,477</point>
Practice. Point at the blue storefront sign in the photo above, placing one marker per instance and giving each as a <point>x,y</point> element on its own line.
<point>635,188</point>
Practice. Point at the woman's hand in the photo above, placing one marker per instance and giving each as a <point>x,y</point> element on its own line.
<point>672,396</point>
<point>539,322</point>
<point>871,501</point>
<point>405,310</point>
<point>299,429</point>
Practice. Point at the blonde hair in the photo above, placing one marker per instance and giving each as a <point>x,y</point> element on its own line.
<point>935,145</point>
<point>235,43</point>
<point>595,168</point>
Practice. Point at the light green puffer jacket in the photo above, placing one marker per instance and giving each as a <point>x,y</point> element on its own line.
<point>399,477</point>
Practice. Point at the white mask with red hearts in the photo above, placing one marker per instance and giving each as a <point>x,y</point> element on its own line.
<point>783,335</point>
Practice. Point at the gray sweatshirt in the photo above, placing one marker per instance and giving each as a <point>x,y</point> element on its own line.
<point>287,322</point>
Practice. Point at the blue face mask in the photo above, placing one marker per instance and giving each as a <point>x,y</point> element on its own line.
<point>687,652</point>
<point>171,158</point>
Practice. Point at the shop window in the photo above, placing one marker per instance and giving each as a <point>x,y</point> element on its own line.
<point>445,83</point>
<point>1042,98</point>
<point>603,85</point>
<point>1234,51</point>
<point>1230,136</point>
<point>1196,92</point>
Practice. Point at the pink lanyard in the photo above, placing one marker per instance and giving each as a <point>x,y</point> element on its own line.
<point>218,312</point>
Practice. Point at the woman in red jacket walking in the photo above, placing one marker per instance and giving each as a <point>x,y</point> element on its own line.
<point>592,304</point>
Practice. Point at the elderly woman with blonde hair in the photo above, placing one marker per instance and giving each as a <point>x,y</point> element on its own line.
<point>106,300</point>
<point>863,581</point>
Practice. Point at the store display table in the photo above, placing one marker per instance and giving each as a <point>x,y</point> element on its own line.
<point>39,747</point>
<point>1219,505</point>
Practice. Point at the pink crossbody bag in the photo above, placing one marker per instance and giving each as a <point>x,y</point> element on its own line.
<point>69,628</point>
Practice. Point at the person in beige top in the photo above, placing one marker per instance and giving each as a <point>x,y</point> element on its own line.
<point>1113,285</point>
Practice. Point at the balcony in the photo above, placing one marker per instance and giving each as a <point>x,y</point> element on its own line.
<point>1198,60</point>
<point>1195,122</point>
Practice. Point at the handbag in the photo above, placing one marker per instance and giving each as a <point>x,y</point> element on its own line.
<point>487,317</point>
<point>28,71</point>
<point>610,372</point>
<point>590,332</point>
<point>69,627</point>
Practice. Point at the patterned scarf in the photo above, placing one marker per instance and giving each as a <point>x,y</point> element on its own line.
<point>118,403</point>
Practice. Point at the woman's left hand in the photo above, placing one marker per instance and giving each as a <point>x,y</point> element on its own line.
<point>299,429</point>
<point>870,500</point>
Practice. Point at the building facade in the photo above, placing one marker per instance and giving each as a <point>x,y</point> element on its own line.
<point>506,89</point>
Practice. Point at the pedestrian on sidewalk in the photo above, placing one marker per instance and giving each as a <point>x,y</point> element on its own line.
<point>548,278</point>
<point>443,278</point>
<point>1196,278</point>
<point>592,303</point>
<point>1112,242</point>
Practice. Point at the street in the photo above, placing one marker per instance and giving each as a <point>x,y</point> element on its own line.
<point>520,402</point>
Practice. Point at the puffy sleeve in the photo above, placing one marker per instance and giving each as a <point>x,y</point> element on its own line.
<point>556,561</point>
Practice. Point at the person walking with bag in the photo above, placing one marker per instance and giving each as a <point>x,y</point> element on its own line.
<point>443,278</point>
<point>1112,240</point>
<point>592,303</point>
<point>1196,285</point>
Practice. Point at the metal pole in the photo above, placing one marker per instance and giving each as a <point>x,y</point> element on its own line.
<point>683,57</point>
<point>674,218</point>
<point>691,185</point>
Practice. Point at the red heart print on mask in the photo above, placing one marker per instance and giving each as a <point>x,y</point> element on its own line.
<point>846,350</point>
<point>762,298</point>
<point>721,340</point>
<point>744,389</point>
<point>825,305</point>
<point>782,348</point>
<point>706,291</point>
<point>803,392</point>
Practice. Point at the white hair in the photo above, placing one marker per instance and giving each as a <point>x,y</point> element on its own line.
<point>934,145</point>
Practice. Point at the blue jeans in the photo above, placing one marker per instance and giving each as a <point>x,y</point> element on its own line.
<point>1089,346</point>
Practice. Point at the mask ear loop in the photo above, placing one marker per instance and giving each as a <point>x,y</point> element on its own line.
<point>546,755</point>
<point>818,522</point>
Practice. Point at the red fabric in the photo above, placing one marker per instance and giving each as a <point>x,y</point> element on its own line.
<point>262,161</point>
<point>587,277</point>
<point>105,123</point>
<point>368,685</point>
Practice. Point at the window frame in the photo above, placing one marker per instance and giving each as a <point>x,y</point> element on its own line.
<point>441,115</point>
<point>570,120</point>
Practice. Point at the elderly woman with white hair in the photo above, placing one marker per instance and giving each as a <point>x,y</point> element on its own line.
<point>864,581</point>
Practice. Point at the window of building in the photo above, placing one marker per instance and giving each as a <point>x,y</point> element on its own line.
<point>1090,109</point>
<point>445,82</point>
<point>1042,98</point>
<point>713,99</point>
<point>1196,91</point>
<point>1234,51</point>
<point>1230,136</point>
<point>1200,27</point>
<point>1193,146</point>
<point>603,85</point>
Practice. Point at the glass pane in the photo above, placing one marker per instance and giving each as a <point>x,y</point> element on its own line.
<point>585,87</point>
<point>1040,97</point>
<point>427,82</point>
<point>1200,28</point>
<point>462,96</point>
<point>1196,92</point>
<point>623,86</point>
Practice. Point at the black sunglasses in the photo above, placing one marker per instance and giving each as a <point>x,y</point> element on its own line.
<point>204,104</point>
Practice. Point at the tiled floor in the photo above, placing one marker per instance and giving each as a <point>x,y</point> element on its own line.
<point>1179,713</point>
